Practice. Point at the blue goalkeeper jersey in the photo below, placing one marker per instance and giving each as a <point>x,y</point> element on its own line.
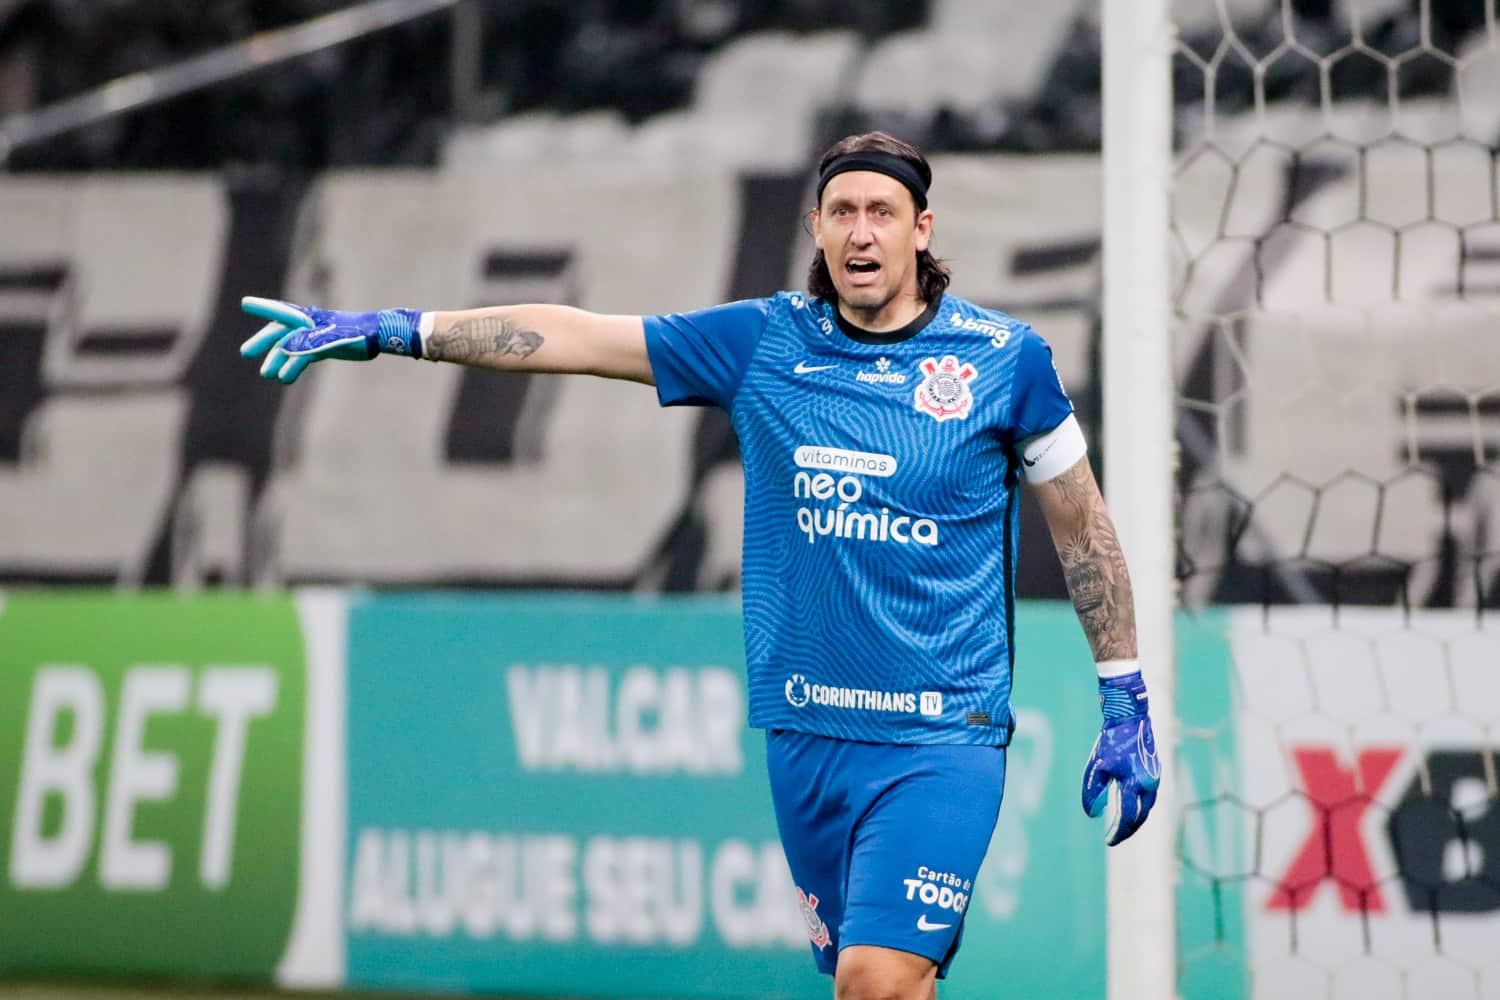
<point>881,475</point>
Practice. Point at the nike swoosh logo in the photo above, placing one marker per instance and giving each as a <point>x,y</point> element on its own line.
<point>803,368</point>
<point>923,925</point>
<point>1032,461</point>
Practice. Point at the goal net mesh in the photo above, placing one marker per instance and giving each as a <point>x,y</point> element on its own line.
<point>1335,236</point>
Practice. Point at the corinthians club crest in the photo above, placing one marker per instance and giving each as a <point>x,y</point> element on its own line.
<point>944,393</point>
<point>817,931</point>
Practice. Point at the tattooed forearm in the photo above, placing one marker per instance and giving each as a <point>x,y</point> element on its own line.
<point>1094,566</point>
<point>481,341</point>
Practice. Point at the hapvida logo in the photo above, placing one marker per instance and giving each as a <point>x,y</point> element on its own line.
<point>882,375</point>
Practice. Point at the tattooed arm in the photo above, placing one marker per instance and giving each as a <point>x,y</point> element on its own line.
<point>1092,561</point>
<point>1123,772</point>
<point>541,338</point>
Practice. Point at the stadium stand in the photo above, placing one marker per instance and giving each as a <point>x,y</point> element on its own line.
<point>652,204</point>
<point>929,69</point>
<point>808,71</point>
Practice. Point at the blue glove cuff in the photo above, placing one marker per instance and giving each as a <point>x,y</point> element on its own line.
<point>1122,697</point>
<point>398,333</point>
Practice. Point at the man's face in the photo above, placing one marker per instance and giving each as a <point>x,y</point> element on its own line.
<point>870,232</point>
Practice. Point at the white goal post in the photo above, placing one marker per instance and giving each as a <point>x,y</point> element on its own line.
<point>1139,453</point>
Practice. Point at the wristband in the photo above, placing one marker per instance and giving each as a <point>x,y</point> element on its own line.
<point>1117,668</point>
<point>1123,697</point>
<point>400,332</point>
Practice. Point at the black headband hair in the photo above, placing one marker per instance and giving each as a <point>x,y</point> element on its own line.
<point>881,163</point>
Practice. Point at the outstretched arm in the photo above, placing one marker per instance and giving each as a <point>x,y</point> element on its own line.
<point>530,338</point>
<point>541,338</point>
<point>1092,561</point>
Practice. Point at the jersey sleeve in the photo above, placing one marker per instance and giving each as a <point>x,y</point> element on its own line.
<point>1038,402</point>
<point>1047,437</point>
<point>698,358</point>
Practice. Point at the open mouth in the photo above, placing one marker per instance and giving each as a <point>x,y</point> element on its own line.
<point>860,266</point>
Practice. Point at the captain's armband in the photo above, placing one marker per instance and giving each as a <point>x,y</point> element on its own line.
<point>1047,456</point>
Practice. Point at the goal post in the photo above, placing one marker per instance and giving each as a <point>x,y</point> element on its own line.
<point>1139,404</point>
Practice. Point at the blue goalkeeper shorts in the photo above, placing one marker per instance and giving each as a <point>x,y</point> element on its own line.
<point>884,841</point>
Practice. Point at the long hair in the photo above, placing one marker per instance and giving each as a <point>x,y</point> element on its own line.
<point>932,274</point>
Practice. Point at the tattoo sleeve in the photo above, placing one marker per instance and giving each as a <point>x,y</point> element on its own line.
<point>482,341</point>
<point>1094,566</point>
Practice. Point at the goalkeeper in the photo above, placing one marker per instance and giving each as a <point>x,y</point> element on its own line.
<point>885,427</point>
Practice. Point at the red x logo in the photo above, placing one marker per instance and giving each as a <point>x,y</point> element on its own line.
<point>1333,848</point>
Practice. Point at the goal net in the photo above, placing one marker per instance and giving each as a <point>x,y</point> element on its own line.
<point>1334,245</point>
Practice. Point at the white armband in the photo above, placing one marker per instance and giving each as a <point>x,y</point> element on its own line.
<point>1049,455</point>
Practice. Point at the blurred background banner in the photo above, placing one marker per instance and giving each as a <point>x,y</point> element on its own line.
<point>546,784</point>
<point>546,789</point>
<point>495,793</point>
<point>151,806</point>
<point>1395,777</point>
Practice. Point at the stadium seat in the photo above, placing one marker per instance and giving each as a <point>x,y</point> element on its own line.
<point>791,75</point>
<point>792,78</point>
<point>1197,18</point>
<point>93,487</point>
<point>1197,21</point>
<point>538,135</point>
<point>793,72</point>
<point>1023,38</point>
<point>760,141</point>
<point>208,526</point>
<point>917,73</point>
<point>137,261</point>
<point>1370,13</point>
<point>1478,85</point>
<point>897,77</point>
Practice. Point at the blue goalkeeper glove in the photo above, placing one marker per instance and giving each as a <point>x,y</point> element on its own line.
<point>1122,773</point>
<point>296,336</point>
